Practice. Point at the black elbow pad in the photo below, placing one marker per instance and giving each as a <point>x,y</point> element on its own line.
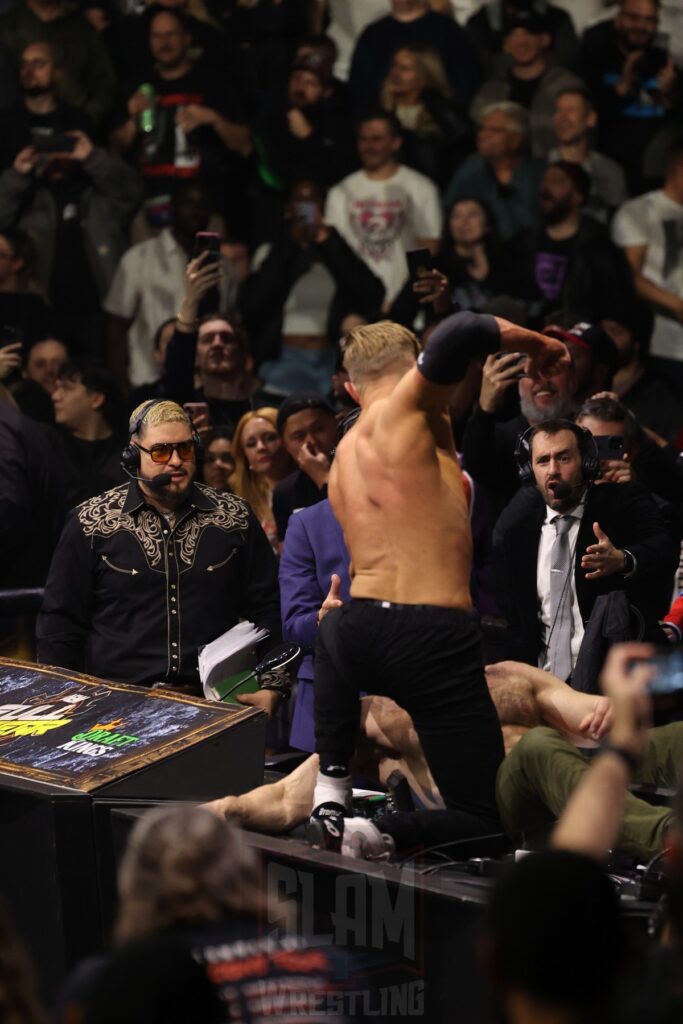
<point>454,343</point>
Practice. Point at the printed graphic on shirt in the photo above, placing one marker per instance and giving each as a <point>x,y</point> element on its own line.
<point>377,223</point>
<point>549,271</point>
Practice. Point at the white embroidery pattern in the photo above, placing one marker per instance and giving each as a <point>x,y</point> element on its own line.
<point>103,515</point>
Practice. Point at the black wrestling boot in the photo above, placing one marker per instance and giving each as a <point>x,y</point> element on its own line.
<point>325,830</point>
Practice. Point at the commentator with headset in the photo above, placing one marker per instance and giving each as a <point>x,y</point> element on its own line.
<point>150,571</point>
<point>565,539</point>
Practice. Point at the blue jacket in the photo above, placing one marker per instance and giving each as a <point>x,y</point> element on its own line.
<point>313,549</point>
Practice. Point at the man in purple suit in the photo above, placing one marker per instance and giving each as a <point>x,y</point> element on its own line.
<point>314,577</point>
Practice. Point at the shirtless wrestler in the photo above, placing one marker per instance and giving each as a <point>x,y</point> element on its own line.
<point>409,632</point>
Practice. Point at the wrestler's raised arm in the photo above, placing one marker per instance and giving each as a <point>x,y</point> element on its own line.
<point>458,340</point>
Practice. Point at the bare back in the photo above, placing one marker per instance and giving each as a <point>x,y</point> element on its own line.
<point>399,497</point>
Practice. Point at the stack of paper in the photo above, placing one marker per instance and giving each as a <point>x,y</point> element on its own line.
<point>228,655</point>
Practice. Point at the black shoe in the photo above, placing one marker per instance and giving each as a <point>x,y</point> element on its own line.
<point>325,828</point>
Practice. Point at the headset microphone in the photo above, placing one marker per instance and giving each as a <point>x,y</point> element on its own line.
<point>561,490</point>
<point>160,481</point>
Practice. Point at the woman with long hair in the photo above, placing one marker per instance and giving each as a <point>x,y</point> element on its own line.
<point>471,254</point>
<point>438,134</point>
<point>261,461</point>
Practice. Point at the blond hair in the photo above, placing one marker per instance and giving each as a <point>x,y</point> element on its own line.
<point>253,487</point>
<point>371,350</point>
<point>158,413</point>
<point>432,78</point>
<point>183,865</point>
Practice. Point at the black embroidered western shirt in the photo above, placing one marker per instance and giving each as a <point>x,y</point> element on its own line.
<point>131,595</point>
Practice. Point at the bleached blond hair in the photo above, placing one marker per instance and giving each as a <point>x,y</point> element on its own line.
<point>161,412</point>
<point>371,350</point>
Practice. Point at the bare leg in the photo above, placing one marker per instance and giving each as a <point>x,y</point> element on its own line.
<point>525,695</point>
<point>275,807</point>
<point>389,742</point>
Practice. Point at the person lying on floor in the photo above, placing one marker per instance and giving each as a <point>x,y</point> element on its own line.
<point>545,725</point>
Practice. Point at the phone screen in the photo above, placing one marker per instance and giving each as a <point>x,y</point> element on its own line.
<point>208,241</point>
<point>420,263</point>
<point>669,678</point>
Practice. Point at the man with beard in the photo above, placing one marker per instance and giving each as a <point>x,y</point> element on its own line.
<point>147,573</point>
<point>88,82</point>
<point>489,441</point>
<point>40,108</point>
<point>197,124</point>
<point>568,263</point>
<point>562,543</point>
<point>634,82</point>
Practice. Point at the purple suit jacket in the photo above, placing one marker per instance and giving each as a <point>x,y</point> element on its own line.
<point>313,549</point>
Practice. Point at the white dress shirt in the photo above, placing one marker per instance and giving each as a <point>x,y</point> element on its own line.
<point>545,547</point>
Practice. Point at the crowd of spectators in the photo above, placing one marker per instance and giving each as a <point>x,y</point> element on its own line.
<point>200,199</point>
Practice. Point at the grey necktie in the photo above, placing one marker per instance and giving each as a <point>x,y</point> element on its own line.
<point>560,638</point>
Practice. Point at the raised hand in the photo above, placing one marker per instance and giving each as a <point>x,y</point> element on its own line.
<point>602,559</point>
<point>498,373</point>
<point>314,464</point>
<point>333,600</point>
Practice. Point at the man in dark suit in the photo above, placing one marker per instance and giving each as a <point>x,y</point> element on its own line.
<point>615,539</point>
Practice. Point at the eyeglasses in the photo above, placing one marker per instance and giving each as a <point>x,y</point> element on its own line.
<point>161,453</point>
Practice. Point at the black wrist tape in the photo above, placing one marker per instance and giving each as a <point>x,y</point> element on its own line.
<point>454,343</point>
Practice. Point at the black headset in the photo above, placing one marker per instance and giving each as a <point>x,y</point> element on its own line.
<point>590,458</point>
<point>130,456</point>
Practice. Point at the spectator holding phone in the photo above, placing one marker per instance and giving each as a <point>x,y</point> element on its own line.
<point>212,348</point>
<point>76,206</point>
<point>40,113</point>
<point>628,455</point>
<point>148,281</point>
<point>299,289</point>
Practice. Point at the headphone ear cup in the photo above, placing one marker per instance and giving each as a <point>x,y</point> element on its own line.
<point>198,446</point>
<point>523,458</point>
<point>130,458</point>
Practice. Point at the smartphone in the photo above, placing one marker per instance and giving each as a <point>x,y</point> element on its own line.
<point>610,447</point>
<point>197,410</point>
<point>46,140</point>
<point>10,335</point>
<point>306,212</point>
<point>520,364</point>
<point>208,241</point>
<point>420,263</point>
<point>669,678</point>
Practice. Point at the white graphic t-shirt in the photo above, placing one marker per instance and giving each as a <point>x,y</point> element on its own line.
<point>656,221</point>
<point>381,220</point>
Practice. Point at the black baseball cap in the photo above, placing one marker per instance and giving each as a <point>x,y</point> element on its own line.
<point>299,401</point>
